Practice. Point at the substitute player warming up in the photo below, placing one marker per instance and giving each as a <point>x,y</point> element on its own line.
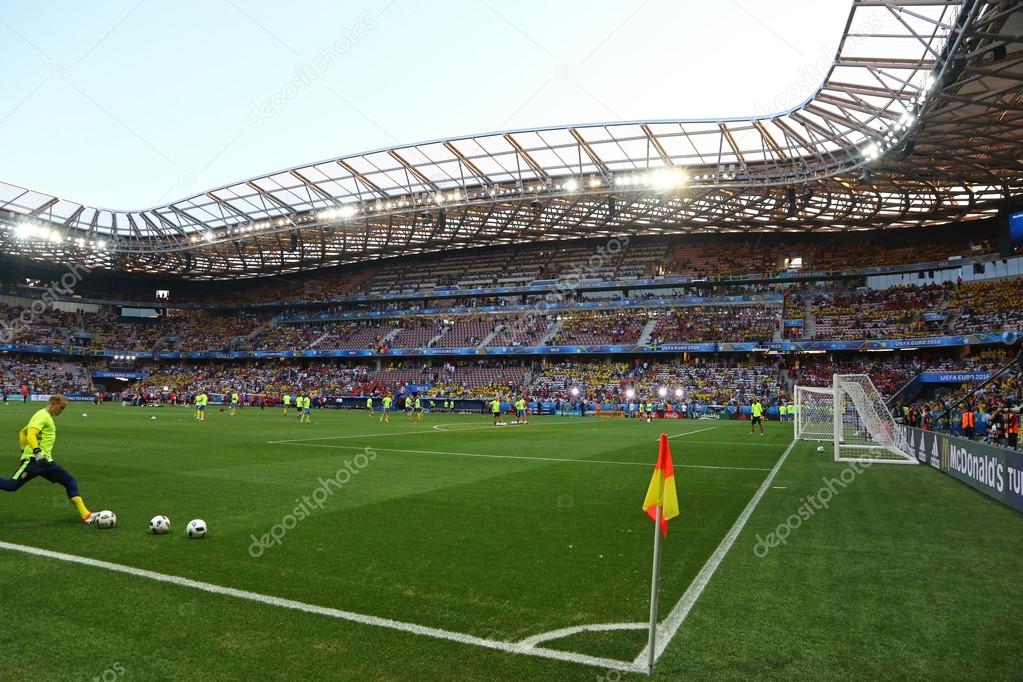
<point>36,441</point>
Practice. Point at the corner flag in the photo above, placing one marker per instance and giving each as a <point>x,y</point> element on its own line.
<point>661,492</point>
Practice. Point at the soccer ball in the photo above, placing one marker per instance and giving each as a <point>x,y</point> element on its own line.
<point>820,448</point>
<point>153,417</point>
<point>106,519</point>
<point>158,525</point>
<point>84,414</point>
<point>196,529</point>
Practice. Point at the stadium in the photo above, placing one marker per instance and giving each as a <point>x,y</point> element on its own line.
<point>393,414</point>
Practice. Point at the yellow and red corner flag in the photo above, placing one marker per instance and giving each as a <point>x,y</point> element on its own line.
<point>661,492</point>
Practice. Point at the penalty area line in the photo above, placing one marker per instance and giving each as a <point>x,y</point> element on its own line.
<point>376,621</point>
<point>689,433</point>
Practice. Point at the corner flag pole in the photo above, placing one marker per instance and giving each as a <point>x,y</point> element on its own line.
<point>661,505</point>
<point>654,584</point>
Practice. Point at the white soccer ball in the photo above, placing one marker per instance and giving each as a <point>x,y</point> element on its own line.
<point>84,414</point>
<point>196,529</point>
<point>158,525</point>
<point>106,519</point>
<point>153,417</point>
<point>820,448</point>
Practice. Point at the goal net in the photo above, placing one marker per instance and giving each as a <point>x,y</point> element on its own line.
<point>813,418</point>
<point>853,417</point>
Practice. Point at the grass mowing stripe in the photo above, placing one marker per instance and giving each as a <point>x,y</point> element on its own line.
<point>670,625</point>
<point>434,430</point>
<point>538,459</point>
<point>437,633</point>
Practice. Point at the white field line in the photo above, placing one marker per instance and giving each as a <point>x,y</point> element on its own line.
<point>669,626</point>
<point>734,442</point>
<point>568,632</point>
<point>421,630</point>
<point>689,433</point>
<point>538,459</point>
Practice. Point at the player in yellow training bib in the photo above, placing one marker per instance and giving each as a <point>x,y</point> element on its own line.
<point>36,441</point>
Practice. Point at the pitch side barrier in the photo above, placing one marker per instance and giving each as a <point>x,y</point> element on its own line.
<point>996,472</point>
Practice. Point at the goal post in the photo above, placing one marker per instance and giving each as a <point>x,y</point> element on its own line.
<point>853,417</point>
<point>813,418</point>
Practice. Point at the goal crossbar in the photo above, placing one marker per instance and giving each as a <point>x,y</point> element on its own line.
<point>853,417</point>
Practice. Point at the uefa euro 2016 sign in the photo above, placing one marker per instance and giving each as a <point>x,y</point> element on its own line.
<point>996,472</point>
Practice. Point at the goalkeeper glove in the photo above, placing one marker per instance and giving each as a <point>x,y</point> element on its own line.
<point>38,454</point>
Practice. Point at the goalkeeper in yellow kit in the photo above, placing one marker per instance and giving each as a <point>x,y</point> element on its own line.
<point>36,440</point>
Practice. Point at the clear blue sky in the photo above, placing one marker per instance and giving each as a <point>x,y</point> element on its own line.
<point>131,104</point>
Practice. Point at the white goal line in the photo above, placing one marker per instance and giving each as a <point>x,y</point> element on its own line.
<point>521,648</point>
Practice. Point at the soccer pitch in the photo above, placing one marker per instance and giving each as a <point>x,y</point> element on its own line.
<point>453,549</point>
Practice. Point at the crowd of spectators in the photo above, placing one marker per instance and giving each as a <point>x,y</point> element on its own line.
<point>44,376</point>
<point>716,323</point>
<point>836,314</point>
<point>888,376</point>
<point>988,305</point>
<point>710,383</point>
<point>880,313</point>
<point>600,327</point>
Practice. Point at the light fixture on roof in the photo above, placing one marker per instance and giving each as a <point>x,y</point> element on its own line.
<point>666,178</point>
<point>571,185</point>
<point>871,151</point>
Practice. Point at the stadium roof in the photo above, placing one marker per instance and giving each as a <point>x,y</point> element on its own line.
<point>917,122</point>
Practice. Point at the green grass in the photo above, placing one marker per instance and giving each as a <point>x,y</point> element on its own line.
<point>907,574</point>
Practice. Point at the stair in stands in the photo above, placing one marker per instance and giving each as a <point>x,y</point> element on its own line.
<point>648,330</point>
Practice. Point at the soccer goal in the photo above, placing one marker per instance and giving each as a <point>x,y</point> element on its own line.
<point>853,417</point>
